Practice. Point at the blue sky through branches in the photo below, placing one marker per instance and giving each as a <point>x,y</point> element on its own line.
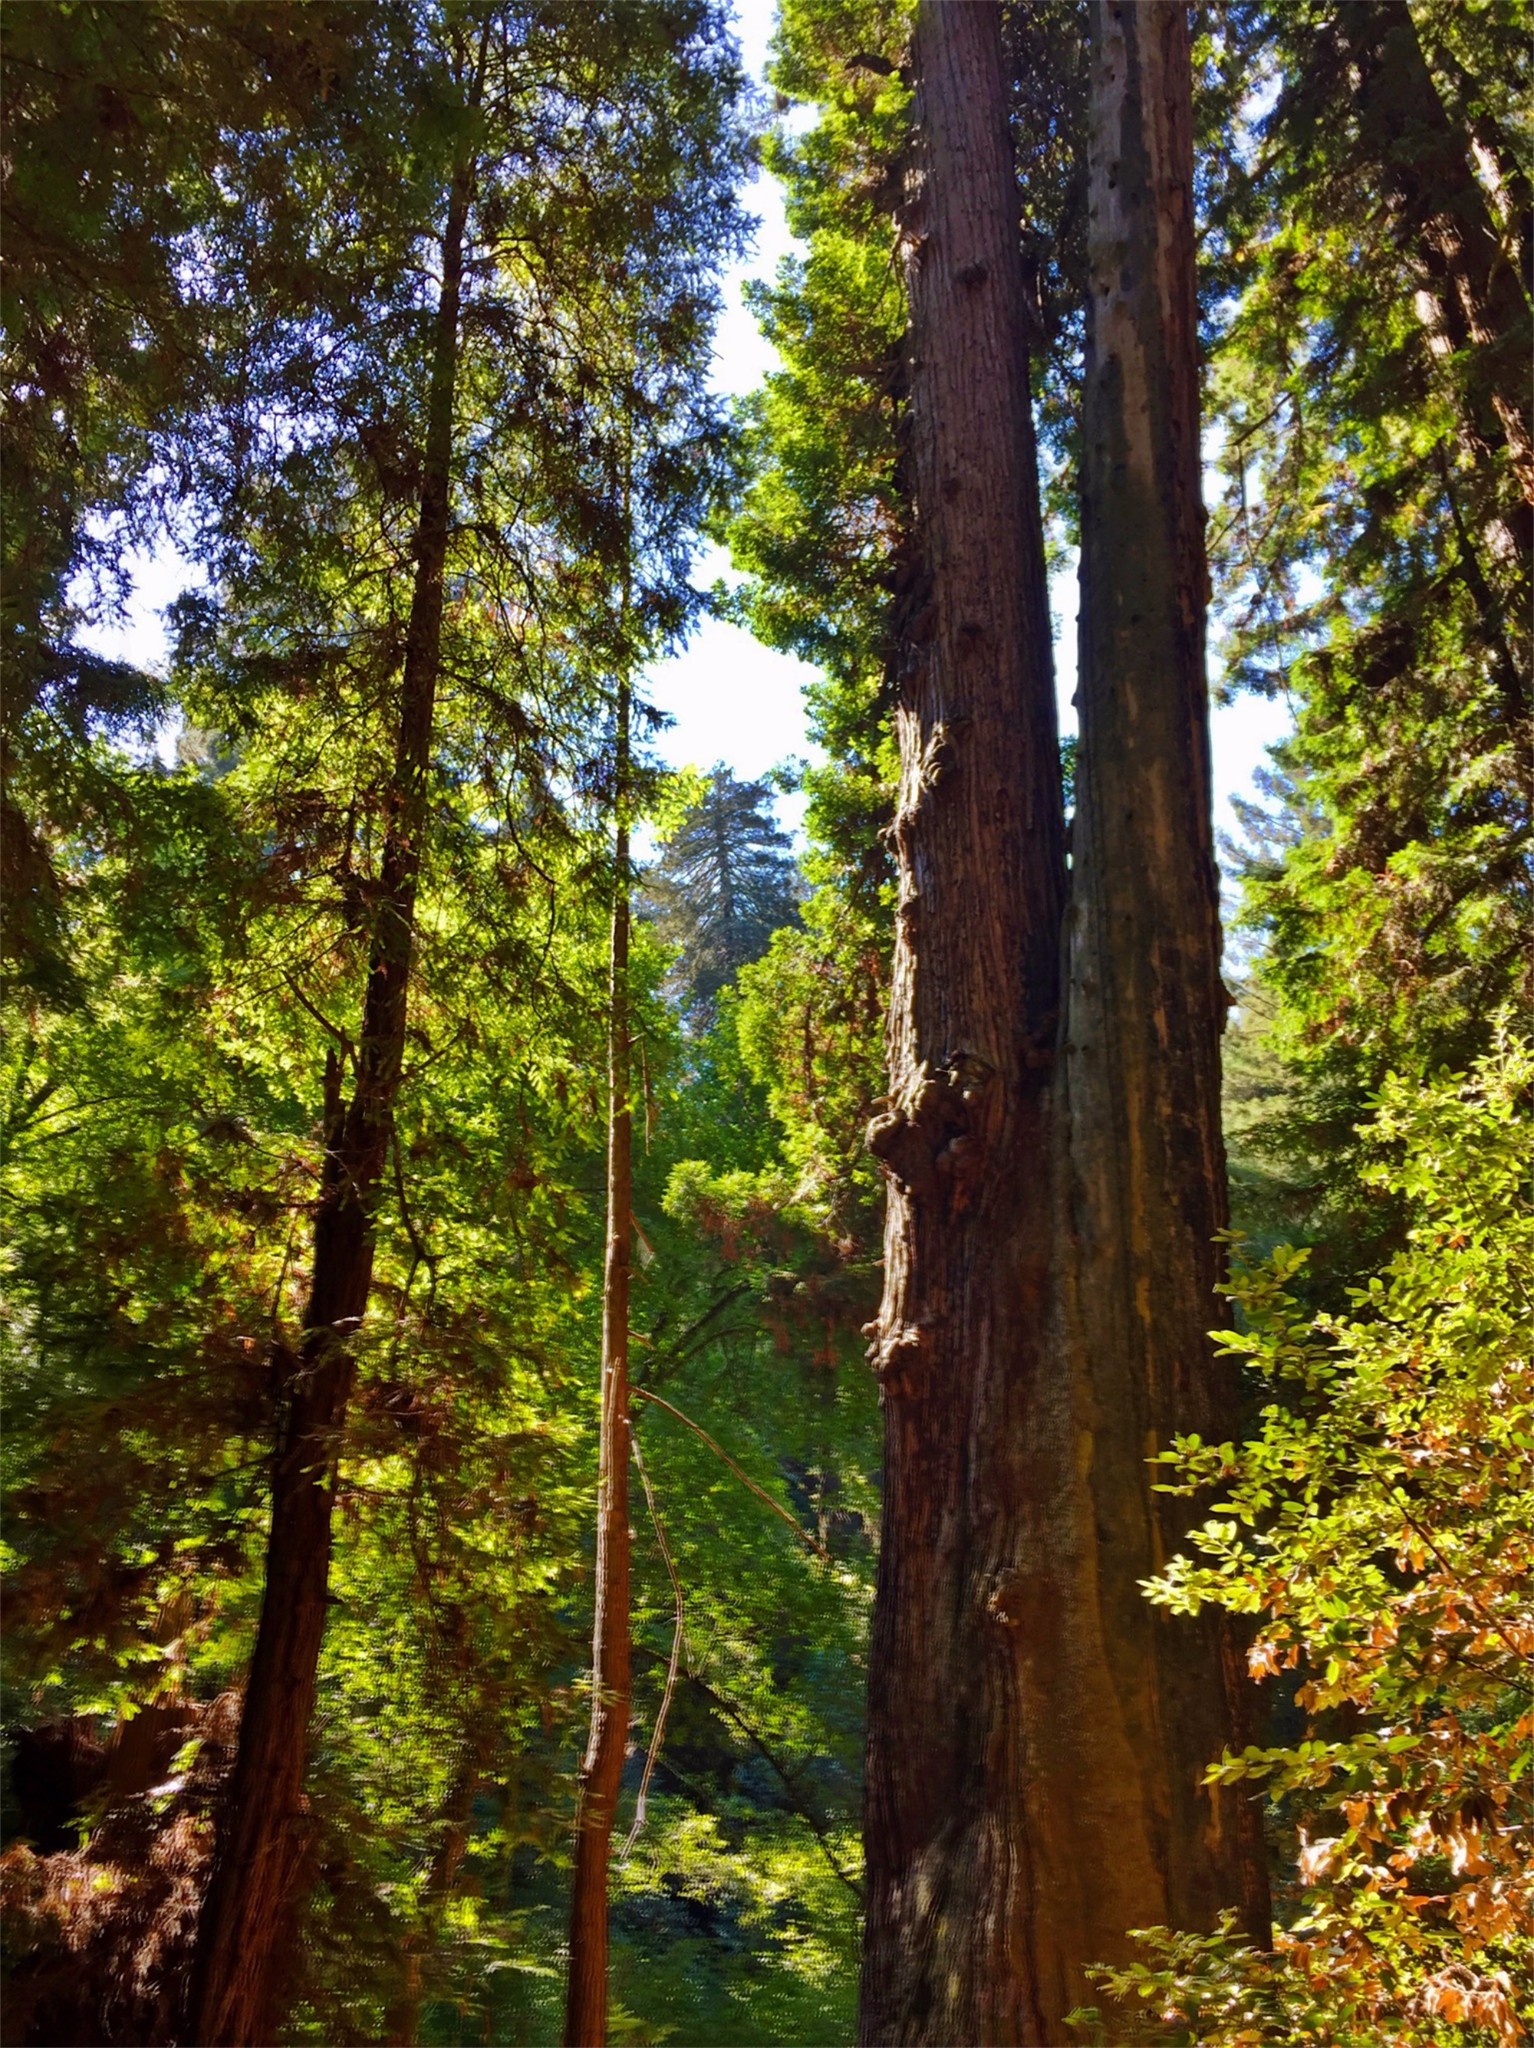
<point>736,701</point>
<point>729,698</point>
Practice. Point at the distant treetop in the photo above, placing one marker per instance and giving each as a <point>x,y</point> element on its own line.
<point>724,882</point>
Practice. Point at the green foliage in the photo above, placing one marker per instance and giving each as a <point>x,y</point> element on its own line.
<point>752,1886</point>
<point>1370,553</point>
<point>723,883</point>
<point>1380,1526</point>
<point>218,223</point>
<point>110,111</point>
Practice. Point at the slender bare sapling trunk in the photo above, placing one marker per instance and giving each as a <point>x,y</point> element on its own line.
<point>611,1685</point>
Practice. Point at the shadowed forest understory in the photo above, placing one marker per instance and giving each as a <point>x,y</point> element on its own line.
<point>622,1427</point>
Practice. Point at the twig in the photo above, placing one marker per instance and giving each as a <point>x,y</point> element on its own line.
<point>744,1477</point>
<point>320,1018</point>
<point>692,1336</point>
<point>417,1244</point>
<point>649,1096</point>
<point>798,1802</point>
<point>676,1650</point>
<point>1488,1621</point>
<point>282,1275</point>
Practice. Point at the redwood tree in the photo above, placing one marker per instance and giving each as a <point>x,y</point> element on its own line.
<point>1036,1737</point>
<point>962,1333</point>
<point>1132,1710</point>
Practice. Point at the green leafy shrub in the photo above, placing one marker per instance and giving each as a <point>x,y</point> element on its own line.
<point>1380,1527</point>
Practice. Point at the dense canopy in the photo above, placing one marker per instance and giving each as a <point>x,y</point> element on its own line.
<point>624,1421</point>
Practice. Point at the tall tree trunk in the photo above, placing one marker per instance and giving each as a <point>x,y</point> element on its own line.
<point>1037,1732</point>
<point>979,842</point>
<point>611,1684</point>
<point>247,1915</point>
<point>1130,1705</point>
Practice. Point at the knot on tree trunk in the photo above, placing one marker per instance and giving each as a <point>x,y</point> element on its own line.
<point>897,1355</point>
<point>935,755</point>
<point>928,755</point>
<point>1008,1599</point>
<point>932,1137</point>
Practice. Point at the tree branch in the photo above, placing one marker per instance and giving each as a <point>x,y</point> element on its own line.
<point>744,1477</point>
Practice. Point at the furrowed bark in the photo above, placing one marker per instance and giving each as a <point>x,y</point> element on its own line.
<point>979,841</point>
<point>1037,1732</point>
<point>245,1927</point>
<point>1132,1705</point>
<point>611,1682</point>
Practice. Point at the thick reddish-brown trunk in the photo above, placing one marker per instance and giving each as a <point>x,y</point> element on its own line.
<point>1037,1732</point>
<point>611,1684</point>
<point>1129,1706</point>
<point>246,1919</point>
<point>979,840</point>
